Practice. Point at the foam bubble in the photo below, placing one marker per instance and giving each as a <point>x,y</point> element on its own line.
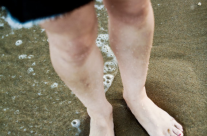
<point>99,0</point>
<point>108,79</point>
<point>54,85</point>
<point>99,7</point>
<point>30,56</point>
<point>110,66</point>
<point>30,70</point>
<point>18,42</point>
<point>102,39</point>
<point>33,64</point>
<point>24,56</point>
<point>75,123</point>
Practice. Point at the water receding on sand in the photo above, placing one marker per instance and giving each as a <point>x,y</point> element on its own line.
<point>34,101</point>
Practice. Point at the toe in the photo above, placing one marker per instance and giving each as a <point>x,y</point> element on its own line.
<point>178,125</point>
<point>171,133</point>
<point>177,131</point>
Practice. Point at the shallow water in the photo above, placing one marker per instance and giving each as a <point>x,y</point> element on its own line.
<point>34,101</point>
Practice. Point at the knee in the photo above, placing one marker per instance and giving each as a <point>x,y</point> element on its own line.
<point>73,51</point>
<point>128,11</point>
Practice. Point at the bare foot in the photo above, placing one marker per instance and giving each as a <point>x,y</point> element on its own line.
<point>101,125</point>
<point>156,121</point>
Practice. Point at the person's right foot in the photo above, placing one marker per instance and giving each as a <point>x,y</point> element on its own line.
<point>156,121</point>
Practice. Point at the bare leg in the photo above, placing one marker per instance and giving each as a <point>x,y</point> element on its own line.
<point>78,62</point>
<point>131,27</point>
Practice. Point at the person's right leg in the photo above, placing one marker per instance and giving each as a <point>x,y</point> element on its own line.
<point>78,62</point>
<point>131,27</point>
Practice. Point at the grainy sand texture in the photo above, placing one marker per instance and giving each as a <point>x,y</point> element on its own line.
<point>34,101</point>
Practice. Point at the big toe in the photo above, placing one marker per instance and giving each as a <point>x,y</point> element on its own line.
<point>177,131</point>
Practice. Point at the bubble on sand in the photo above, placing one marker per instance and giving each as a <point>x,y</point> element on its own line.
<point>110,66</point>
<point>30,56</point>
<point>30,70</point>
<point>16,112</point>
<point>54,85</point>
<point>76,123</point>
<point>107,81</point>
<point>18,42</point>
<point>107,51</point>
<point>99,7</point>
<point>102,39</point>
<point>23,56</point>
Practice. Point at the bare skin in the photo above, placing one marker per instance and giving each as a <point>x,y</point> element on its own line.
<point>78,62</point>
<point>75,58</point>
<point>131,34</point>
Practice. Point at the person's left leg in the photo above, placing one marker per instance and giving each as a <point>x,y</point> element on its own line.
<point>131,27</point>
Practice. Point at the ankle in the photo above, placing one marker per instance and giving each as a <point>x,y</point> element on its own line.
<point>134,96</point>
<point>101,112</point>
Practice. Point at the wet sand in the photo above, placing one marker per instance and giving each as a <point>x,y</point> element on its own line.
<point>31,104</point>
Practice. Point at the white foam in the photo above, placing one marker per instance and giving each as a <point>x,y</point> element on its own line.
<point>1,24</point>
<point>99,7</point>
<point>18,42</point>
<point>30,70</point>
<point>33,64</point>
<point>30,56</point>
<point>54,85</point>
<point>15,24</point>
<point>42,30</point>
<point>99,0</point>
<point>24,56</point>
<point>39,93</point>
<point>76,123</point>
<point>110,66</point>
<point>102,39</point>
<point>107,50</point>
<point>108,79</point>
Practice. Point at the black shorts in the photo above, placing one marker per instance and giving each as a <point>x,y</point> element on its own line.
<point>26,10</point>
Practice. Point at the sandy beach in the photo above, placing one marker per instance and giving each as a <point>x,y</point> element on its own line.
<point>34,101</point>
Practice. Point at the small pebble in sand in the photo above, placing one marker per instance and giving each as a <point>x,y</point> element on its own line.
<point>199,3</point>
<point>18,42</point>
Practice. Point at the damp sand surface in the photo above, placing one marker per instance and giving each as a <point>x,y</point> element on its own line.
<point>34,101</point>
